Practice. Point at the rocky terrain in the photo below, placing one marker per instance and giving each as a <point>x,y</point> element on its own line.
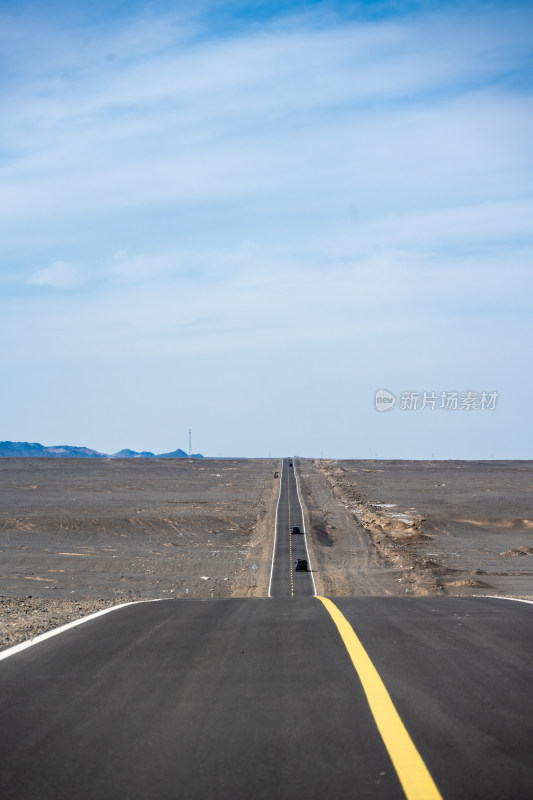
<point>413,527</point>
<point>76,536</point>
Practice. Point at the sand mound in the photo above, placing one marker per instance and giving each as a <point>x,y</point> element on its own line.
<point>522,550</point>
<point>499,523</point>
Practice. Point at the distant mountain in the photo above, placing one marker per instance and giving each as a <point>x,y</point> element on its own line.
<point>66,451</point>
<point>35,450</point>
<point>133,454</point>
<point>175,454</point>
<point>145,454</point>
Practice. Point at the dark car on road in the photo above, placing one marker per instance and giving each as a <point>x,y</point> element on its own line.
<point>296,529</point>
<point>301,565</point>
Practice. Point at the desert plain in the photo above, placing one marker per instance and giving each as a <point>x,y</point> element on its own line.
<point>79,535</point>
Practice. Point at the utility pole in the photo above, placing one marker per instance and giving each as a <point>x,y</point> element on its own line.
<point>190,442</point>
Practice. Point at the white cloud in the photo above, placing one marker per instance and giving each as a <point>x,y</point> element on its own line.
<point>61,275</point>
<point>274,112</point>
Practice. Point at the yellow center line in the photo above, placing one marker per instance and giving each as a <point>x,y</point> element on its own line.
<point>414,776</point>
<point>290,537</point>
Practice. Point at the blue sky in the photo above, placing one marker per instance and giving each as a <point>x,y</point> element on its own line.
<point>246,218</point>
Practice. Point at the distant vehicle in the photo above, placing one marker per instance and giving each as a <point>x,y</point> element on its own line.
<point>295,529</point>
<point>301,565</point>
<point>290,463</point>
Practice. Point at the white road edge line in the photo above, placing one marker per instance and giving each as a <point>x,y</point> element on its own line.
<point>501,597</point>
<point>303,523</point>
<point>275,529</point>
<point>17,648</point>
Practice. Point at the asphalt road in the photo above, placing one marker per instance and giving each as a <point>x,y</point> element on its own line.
<point>258,698</point>
<point>289,547</point>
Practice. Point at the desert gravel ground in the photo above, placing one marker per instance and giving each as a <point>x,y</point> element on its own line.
<point>420,527</point>
<point>78,535</point>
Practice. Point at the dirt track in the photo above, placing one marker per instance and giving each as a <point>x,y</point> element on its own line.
<point>413,527</point>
